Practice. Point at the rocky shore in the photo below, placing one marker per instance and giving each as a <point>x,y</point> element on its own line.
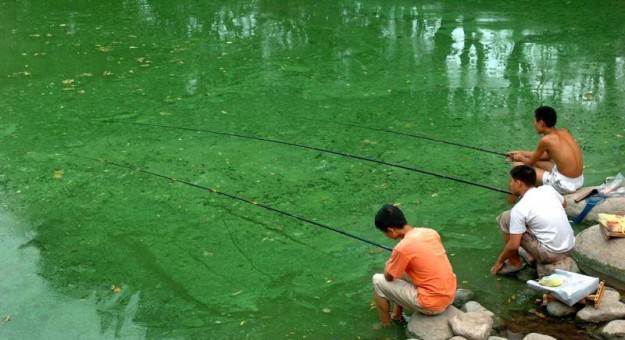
<point>593,256</point>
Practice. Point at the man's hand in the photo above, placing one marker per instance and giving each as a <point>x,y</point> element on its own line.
<point>496,268</point>
<point>514,156</point>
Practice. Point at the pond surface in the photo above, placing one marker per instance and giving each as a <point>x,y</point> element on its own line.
<point>92,249</point>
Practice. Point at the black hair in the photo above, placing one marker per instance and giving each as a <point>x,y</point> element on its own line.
<point>525,174</point>
<point>389,216</point>
<point>547,114</point>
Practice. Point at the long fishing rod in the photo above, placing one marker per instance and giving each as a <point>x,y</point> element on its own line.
<point>409,135</point>
<point>238,198</point>
<point>362,158</point>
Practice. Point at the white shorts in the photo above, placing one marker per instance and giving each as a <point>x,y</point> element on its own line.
<point>564,185</point>
<point>400,292</point>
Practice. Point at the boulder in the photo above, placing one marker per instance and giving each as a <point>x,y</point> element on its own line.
<point>612,205</point>
<point>567,264</point>
<point>472,326</point>
<point>613,330</point>
<point>474,306</point>
<point>611,309</point>
<point>537,336</point>
<point>559,309</point>
<point>434,327</point>
<point>600,258</point>
<point>462,296</point>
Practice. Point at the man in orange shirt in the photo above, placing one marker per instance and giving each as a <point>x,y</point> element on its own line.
<point>420,256</point>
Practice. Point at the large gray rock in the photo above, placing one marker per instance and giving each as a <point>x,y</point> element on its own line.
<point>435,327</point>
<point>462,296</point>
<point>600,258</point>
<point>472,325</point>
<point>611,309</point>
<point>567,264</point>
<point>474,306</point>
<point>559,309</point>
<point>612,205</point>
<point>613,330</point>
<point>537,336</point>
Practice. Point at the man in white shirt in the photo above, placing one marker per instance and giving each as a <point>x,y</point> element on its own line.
<point>536,228</point>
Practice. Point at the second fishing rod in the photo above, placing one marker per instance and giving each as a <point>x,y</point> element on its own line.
<point>309,147</point>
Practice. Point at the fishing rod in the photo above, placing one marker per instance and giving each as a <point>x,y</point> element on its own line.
<point>344,154</point>
<point>409,135</point>
<point>238,198</point>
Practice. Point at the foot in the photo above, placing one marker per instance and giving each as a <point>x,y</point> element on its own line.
<point>510,268</point>
<point>527,257</point>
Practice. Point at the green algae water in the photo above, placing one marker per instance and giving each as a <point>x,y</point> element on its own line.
<point>94,251</point>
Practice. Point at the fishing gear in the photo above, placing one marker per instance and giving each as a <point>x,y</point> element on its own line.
<point>238,198</point>
<point>410,135</point>
<point>362,158</point>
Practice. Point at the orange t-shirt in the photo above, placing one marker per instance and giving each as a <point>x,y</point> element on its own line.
<point>421,255</point>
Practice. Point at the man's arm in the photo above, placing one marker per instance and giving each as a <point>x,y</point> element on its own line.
<point>511,249</point>
<point>388,276</point>
<point>529,157</point>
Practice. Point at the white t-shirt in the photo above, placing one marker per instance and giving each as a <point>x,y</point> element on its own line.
<point>540,211</point>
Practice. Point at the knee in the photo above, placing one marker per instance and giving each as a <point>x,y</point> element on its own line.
<point>377,279</point>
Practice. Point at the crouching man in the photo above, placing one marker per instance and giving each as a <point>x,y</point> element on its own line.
<point>430,286</point>
<point>537,228</point>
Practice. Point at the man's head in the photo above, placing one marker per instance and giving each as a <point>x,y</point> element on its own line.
<point>547,115</point>
<point>522,177</point>
<point>389,216</point>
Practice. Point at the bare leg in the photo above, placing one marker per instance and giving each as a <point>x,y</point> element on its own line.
<point>384,307</point>
<point>514,261</point>
<point>398,313</point>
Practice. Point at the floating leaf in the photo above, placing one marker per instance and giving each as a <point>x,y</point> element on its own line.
<point>58,174</point>
<point>116,289</point>
<point>6,318</point>
<point>327,310</point>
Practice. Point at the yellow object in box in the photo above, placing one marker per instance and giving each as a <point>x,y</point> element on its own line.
<point>553,280</point>
<point>613,223</point>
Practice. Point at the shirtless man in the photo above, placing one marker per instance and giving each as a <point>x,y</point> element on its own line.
<point>557,158</point>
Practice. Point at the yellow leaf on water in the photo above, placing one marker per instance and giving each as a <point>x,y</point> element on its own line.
<point>7,318</point>
<point>58,174</point>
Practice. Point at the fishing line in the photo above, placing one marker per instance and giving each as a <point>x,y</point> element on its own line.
<point>409,135</point>
<point>238,198</point>
<point>344,154</point>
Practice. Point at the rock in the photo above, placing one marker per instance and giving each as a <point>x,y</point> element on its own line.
<point>600,258</point>
<point>567,264</point>
<point>537,336</point>
<point>456,337</point>
<point>559,309</point>
<point>462,297</point>
<point>472,325</point>
<point>611,309</point>
<point>434,327</point>
<point>613,330</point>
<point>495,338</point>
<point>612,205</point>
<point>527,273</point>
<point>474,306</point>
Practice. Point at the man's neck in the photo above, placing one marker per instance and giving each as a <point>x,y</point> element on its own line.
<point>549,130</point>
<point>524,190</point>
<point>403,231</point>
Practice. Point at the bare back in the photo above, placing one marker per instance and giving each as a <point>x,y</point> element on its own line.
<point>564,151</point>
